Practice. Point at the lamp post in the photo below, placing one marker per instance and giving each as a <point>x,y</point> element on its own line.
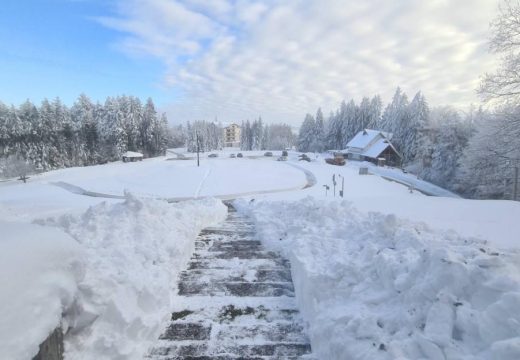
<point>515,184</point>
<point>514,164</point>
<point>197,139</point>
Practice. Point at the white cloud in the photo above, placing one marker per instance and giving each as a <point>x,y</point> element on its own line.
<point>241,59</point>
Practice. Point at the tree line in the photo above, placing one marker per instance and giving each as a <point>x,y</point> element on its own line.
<point>259,136</point>
<point>254,135</point>
<point>52,135</point>
<point>467,152</point>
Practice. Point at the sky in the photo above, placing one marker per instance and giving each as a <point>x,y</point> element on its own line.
<point>235,60</point>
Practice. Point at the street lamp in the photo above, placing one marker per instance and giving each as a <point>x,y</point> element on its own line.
<point>514,163</point>
<point>197,139</point>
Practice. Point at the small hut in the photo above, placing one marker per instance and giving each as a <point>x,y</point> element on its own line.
<point>131,156</point>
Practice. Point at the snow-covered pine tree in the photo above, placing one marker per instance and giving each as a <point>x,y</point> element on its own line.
<point>5,136</point>
<point>85,125</point>
<point>376,107</point>
<point>145,127</point>
<point>349,121</point>
<point>306,134</point>
<point>318,141</point>
<point>363,115</point>
<point>30,123</point>
<point>395,119</point>
<point>419,118</point>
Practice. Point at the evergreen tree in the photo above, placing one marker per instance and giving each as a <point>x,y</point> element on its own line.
<point>419,117</point>
<point>307,133</point>
<point>319,133</point>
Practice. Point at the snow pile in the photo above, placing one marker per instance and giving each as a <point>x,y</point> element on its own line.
<point>39,270</point>
<point>372,286</point>
<point>133,253</point>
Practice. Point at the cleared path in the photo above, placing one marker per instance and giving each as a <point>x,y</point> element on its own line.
<point>236,301</point>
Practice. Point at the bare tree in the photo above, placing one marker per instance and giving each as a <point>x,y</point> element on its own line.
<point>503,86</point>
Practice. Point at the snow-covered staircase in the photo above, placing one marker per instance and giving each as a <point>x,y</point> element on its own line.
<point>236,301</point>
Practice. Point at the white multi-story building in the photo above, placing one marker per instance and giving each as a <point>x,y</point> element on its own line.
<point>232,135</point>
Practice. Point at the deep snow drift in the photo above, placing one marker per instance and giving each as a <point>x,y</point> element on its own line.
<point>116,294</point>
<point>39,271</point>
<point>372,286</point>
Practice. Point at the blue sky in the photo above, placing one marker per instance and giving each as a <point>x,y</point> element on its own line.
<point>52,48</point>
<point>240,59</point>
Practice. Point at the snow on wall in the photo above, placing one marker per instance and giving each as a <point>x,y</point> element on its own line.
<point>133,252</point>
<point>372,286</point>
<point>39,271</point>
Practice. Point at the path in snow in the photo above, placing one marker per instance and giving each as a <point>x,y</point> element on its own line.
<point>201,185</point>
<point>236,301</point>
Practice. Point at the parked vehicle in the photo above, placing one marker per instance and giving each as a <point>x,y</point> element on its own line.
<point>232,156</point>
<point>339,161</point>
<point>239,155</point>
<point>285,153</point>
<point>304,157</point>
<point>268,153</point>
<point>213,155</point>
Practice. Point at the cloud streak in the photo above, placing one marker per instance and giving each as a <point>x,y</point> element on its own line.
<point>241,59</point>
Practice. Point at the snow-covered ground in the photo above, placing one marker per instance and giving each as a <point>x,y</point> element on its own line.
<point>364,267</point>
<point>494,221</point>
<point>50,193</point>
<point>373,286</point>
<point>109,266</point>
<point>39,276</point>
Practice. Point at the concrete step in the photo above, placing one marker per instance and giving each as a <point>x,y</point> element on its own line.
<point>266,264</point>
<point>235,301</point>
<point>267,275</point>
<point>196,288</point>
<point>221,351</point>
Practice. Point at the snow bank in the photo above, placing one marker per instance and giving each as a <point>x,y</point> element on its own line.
<point>372,286</point>
<point>38,276</point>
<point>133,253</point>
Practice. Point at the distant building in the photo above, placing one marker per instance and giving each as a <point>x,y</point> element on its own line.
<point>131,156</point>
<point>373,146</point>
<point>232,135</point>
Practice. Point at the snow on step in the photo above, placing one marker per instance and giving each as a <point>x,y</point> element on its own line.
<point>236,301</point>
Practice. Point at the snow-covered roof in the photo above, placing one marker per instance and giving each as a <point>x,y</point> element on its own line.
<point>132,154</point>
<point>365,137</point>
<point>377,148</point>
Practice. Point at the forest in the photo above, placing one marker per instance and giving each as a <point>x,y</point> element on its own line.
<point>53,136</point>
<point>469,152</point>
<point>255,135</point>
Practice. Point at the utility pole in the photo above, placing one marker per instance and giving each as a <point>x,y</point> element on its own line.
<point>198,147</point>
<point>515,184</point>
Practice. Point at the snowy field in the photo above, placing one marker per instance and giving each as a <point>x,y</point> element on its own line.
<point>382,267</point>
<point>56,192</point>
